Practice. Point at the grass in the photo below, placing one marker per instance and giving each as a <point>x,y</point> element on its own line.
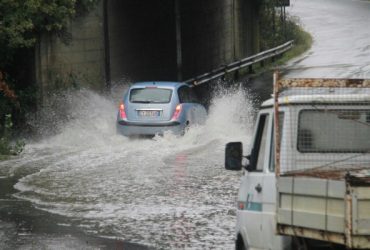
<point>8,148</point>
<point>302,42</point>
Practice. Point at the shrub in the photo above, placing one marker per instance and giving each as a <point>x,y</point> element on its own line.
<point>6,145</point>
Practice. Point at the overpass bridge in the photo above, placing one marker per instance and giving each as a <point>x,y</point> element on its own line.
<point>148,39</point>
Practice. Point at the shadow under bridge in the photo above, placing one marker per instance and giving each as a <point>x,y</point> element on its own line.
<point>176,39</point>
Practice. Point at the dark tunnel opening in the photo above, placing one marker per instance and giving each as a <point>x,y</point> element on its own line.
<point>142,40</point>
<point>143,45</point>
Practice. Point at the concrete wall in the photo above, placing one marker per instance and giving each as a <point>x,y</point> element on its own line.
<point>81,62</point>
<point>207,35</point>
<point>248,28</point>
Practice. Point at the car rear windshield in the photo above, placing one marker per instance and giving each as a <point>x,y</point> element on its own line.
<point>150,95</point>
<point>327,131</point>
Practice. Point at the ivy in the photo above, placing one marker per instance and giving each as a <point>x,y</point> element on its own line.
<point>21,22</point>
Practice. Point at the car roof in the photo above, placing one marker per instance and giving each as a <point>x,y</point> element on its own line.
<point>162,84</point>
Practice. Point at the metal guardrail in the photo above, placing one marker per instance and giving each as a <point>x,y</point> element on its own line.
<point>240,64</point>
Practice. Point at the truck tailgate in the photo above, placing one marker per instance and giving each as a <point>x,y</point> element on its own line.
<point>324,209</point>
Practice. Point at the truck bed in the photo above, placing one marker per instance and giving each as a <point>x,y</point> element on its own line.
<point>326,204</point>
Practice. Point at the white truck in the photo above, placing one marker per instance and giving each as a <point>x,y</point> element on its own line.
<point>311,190</point>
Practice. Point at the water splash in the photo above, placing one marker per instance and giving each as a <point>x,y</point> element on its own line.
<point>166,192</point>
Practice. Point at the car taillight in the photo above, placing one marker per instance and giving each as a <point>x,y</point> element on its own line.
<point>177,112</point>
<point>122,112</point>
<point>241,205</point>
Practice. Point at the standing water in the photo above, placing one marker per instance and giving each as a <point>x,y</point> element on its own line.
<point>167,192</point>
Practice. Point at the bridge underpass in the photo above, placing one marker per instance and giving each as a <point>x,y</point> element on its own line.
<point>169,40</point>
<point>142,40</point>
<point>148,40</point>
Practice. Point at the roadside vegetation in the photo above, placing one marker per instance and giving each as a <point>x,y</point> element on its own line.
<point>21,24</point>
<point>302,41</point>
<point>276,28</point>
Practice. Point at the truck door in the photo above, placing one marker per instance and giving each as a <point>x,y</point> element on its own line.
<point>271,240</point>
<point>250,207</point>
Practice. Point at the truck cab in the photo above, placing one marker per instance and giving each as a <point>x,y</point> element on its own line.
<point>324,129</point>
<point>257,194</point>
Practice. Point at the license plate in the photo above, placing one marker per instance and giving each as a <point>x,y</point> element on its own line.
<point>149,113</point>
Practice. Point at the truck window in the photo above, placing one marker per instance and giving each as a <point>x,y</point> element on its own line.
<point>334,131</point>
<point>259,146</point>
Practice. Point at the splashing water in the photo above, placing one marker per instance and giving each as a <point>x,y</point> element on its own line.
<point>167,192</point>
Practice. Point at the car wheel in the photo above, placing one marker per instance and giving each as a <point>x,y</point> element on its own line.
<point>186,128</point>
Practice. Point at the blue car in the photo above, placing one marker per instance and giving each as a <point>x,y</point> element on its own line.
<point>151,108</point>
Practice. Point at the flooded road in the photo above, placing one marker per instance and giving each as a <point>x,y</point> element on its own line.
<point>341,34</point>
<point>80,182</point>
<point>167,192</point>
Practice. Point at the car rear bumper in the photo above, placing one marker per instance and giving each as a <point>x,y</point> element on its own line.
<point>135,128</point>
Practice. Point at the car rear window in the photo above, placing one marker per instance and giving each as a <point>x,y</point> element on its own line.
<point>150,95</point>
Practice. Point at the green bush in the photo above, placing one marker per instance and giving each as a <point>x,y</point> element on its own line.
<point>302,41</point>
<point>21,24</point>
<point>278,27</point>
<point>6,145</point>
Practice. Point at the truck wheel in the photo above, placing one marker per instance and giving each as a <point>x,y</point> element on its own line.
<point>299,243</point>
<point>239,244</point>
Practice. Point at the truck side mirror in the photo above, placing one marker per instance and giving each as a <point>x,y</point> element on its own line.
<point>233,156</point>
